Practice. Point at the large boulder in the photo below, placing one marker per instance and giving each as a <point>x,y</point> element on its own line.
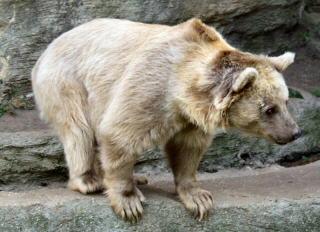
<point>27,27</point>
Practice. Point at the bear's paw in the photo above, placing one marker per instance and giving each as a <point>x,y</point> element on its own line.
<point>197,201</point>
<point>127,203</point>
<point>86,184</point>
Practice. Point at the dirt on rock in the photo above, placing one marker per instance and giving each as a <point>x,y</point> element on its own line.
<point>304,74</point>
<point>23,120</point>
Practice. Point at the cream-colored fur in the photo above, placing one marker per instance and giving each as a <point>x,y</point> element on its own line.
<point>120,88</point>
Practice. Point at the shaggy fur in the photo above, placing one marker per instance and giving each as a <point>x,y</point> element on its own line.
<point>120,88</point>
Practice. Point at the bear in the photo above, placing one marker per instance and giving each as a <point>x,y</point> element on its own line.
<point>113,89</point>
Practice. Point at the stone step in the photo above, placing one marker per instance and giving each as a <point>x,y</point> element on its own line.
<point>269,199</point>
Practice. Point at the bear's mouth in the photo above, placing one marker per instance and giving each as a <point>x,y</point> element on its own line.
<point>280,143</point>
<point>272,139</point>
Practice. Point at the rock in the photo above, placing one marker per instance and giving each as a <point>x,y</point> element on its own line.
<point>312,6</point>
<point>27,27</point>
<point>313,47</point>
<point>312,22</point>
<point>311,36</point>
<point>35,157</point>
<point>31,157</point>
<point>273,199</point>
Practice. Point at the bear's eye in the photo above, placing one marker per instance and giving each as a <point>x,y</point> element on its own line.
<point>271,111</point>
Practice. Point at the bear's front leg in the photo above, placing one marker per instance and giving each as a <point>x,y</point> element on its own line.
<point>185,151</point>
<point>123,195</point>
<point>196,200</point>
<point>126,200</point>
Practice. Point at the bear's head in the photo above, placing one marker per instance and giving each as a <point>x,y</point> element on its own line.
<point>220,86</point>
<point>253,95</point>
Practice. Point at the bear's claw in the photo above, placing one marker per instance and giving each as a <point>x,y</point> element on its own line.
<point>129,207</point>
<point>134,213</point>
<point>198,201</point>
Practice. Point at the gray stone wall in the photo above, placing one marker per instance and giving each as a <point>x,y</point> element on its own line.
<point>28,26</point>
<point>311,23</point>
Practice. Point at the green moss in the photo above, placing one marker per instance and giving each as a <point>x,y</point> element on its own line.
<point>315,92</point>
<point>305,37</point>
<point>294,94</point>
<point>15,102</point>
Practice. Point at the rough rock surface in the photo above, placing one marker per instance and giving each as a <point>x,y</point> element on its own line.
<point>26,157</point>
<point>27,27</point>
<point>311,21</point>
<point>37,157</point>
<point>271,199</point>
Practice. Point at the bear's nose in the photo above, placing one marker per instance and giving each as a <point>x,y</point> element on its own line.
<point>297,135</point>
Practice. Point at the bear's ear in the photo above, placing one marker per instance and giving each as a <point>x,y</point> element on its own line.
<point>198,31</point>
<point>282,62</point>
<point>244,79</point>
<point>241,80</point>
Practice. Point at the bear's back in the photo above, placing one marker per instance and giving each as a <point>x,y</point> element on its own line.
<point>99,47</point>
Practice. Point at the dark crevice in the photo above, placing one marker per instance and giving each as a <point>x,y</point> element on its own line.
<point>299,159</point>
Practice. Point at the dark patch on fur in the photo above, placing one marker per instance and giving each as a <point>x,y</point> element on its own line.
<point>128,193</point>
<point>88,177</point>
<point>116,152</point>
<point>227,66</point>
<point>236,60</point>
<point>201,92</point>
<point>87,173</point>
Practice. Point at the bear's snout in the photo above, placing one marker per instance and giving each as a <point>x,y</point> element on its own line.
<point>288,139</point>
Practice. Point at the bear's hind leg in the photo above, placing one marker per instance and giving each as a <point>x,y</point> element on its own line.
<point>185,151</point>
<point>65,106</point>
<point>79,148</point>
